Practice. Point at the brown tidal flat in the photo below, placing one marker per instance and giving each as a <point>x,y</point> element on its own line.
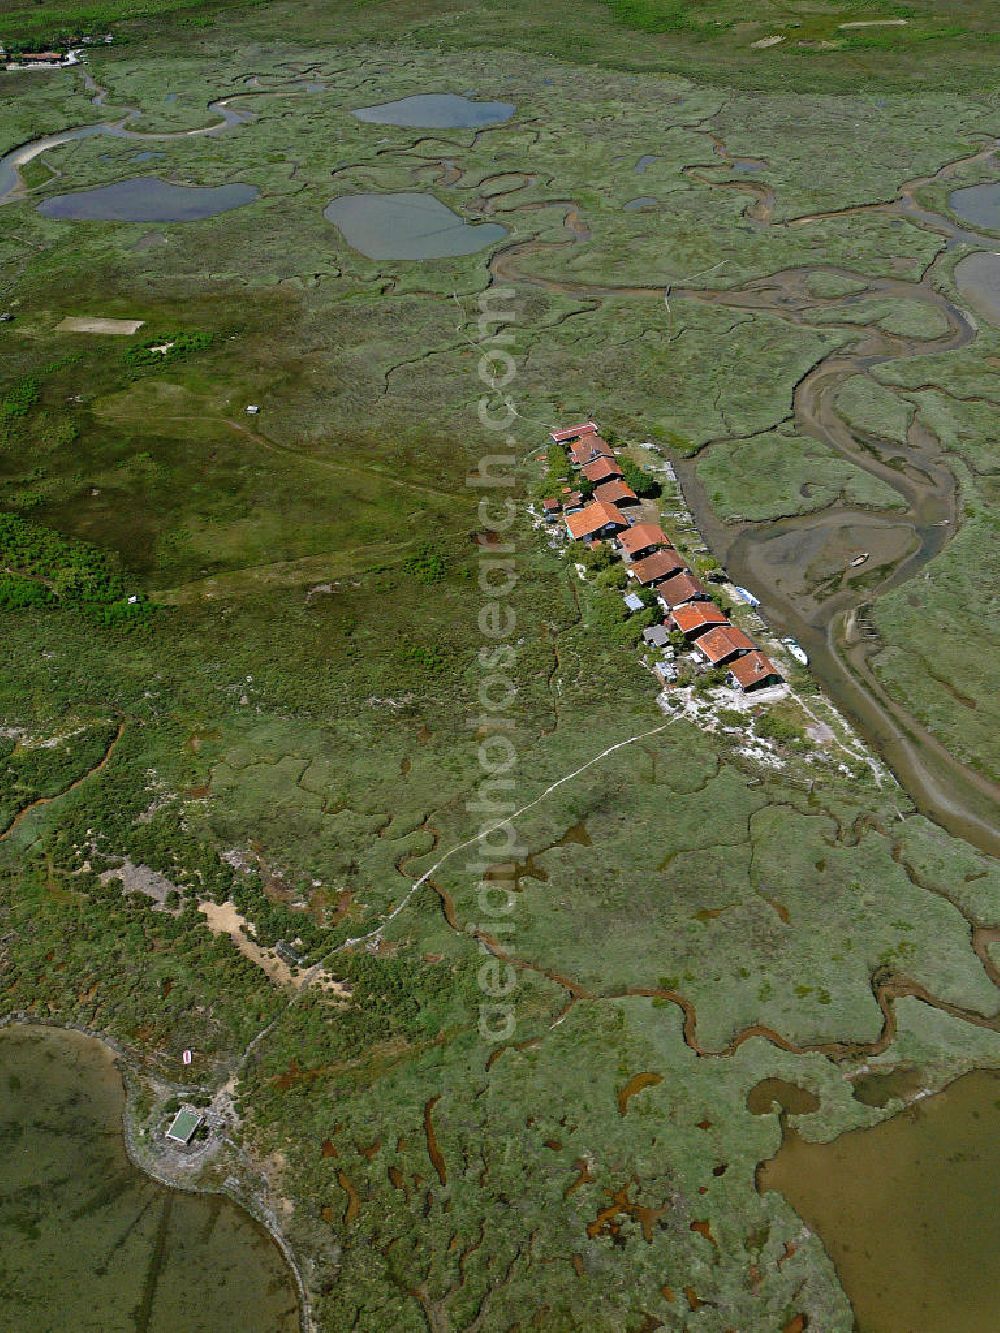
<point>907,1210</point>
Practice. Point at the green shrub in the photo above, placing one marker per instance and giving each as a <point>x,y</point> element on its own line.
<point>708,680</point>
<point>596,558</point>
<point>557,471</point>
<point>612,577</point>
<point>654,15</point>
<point>731,717</point>
<point>179,346</point>
<point>428,563</point>
<point>643,483</point>
<point>19,398</point>
<point>44,568</point>
<point>704,565</point>
<point>17,592</point>
<point>609,618</point>
<point>778,727</point>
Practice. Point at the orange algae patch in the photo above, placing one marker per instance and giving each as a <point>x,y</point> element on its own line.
<point>634,1085</point>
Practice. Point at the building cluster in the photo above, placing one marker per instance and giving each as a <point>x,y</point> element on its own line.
<point>73,54</point>
<point>651,561</point>
<point>40,59</point>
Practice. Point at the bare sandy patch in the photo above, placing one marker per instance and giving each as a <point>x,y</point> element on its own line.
<point>224,919</point>
<point>821,733</point>
<point>875,23</point>
<point>332,986</point>
<point>119,327</point>
<point>141,879</point>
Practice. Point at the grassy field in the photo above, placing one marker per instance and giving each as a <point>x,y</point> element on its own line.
<point>817,53</point>
<point>286,725</point>
<point>924,626</point>
<point>777,474</point>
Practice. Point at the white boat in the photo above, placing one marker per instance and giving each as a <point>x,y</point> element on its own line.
<point>796,650</point>
<point>745,595</point>
<point>859,559</point>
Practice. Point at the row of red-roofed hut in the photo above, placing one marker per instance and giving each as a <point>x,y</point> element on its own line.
<point>595,459</point>
<point>653,561</point>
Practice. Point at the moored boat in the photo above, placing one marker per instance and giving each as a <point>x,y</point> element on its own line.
<point>796,650</point>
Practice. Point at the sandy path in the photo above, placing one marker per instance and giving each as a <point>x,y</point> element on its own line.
<point>224,919</point>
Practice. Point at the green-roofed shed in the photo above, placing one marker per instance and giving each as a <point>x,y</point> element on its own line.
<point>184,1124</point>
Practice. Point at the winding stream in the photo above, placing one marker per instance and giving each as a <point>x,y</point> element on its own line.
<point>769,555</point>
<point>12,185</point>
<point>772,556</point>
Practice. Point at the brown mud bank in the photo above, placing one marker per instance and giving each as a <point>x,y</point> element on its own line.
<point>800,566</point>
<point>907,1209</point>
<point>762,554</point>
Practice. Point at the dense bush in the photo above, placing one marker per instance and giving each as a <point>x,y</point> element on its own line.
<point>19,398</point>
<point>731,717</point>
<point>17,592</point>
<point>557,471</point>
<point>428,563</point>
<point>179,346</point>
<point>609,617</point>
<point>778,727</point>
<point>65,572</point>
<point>613,577</point>
<point>597,558</point>
<point>655,15</point>
<point>644,484</point>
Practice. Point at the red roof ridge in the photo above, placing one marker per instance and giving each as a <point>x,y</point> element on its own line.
<point>751,667</point>
<point>724,641</point>
<point>658,565</point>
<point>573,432</point>
<point>643,535</point>
<point>601,469</point>
<point>621,489</point>
<point>598,514</point>
<point>692,615</point>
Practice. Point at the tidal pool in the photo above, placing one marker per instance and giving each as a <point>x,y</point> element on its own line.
<point>10,164</point>
<point>644,201</point>
<point>91,1242</point>
<point>789,1097</point>
<point>407,226</point>
<point>907,1210</point>
<point>436,111</point>
<point>148,199</point>
<point>645,161</point>
<point>978,280</point>
<point>978,204</point>
<point>11,186</point>
<point>878,1087</point>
